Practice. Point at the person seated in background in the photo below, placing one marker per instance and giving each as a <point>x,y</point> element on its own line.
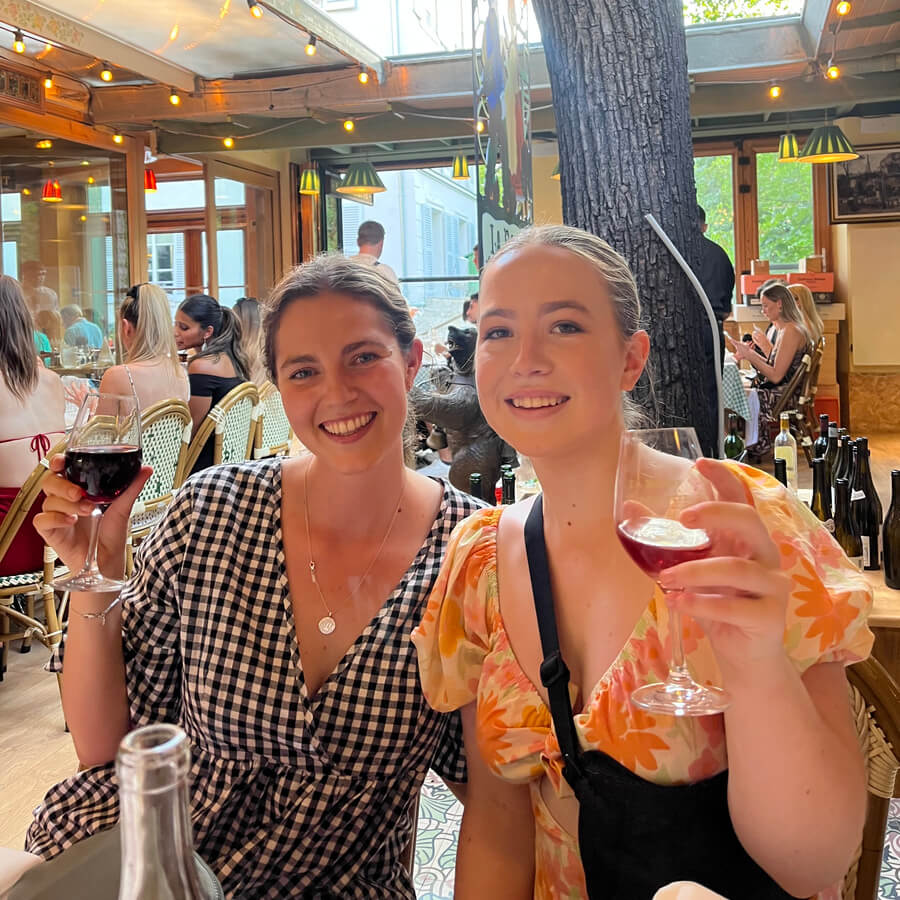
<point>815,327</point>
<point>49,322</point>
<point>791,341</point>
<point>79,331</point>
<point>151,365</point>
<point>32,419</point>
<point>218,365</point>
<point>247,311</point>
<point>41,342</point>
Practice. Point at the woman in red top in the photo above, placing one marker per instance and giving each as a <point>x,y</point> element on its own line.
<point>32,418</point>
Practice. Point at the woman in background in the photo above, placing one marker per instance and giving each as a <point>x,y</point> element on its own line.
<point>218,365</point>
<point>49,322</point>
<point>151,365</point>
<point>32,419</point>
<point>814,325</point>
<point>247,311</point>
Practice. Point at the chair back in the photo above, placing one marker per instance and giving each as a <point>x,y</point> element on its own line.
<point>273,430</point>
<point>875,699</point>
<point>788,396</point>
<point>233,422</point>
<point>165,437</point>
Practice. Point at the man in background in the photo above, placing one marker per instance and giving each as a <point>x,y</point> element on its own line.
<point>34,286</point>
<point>79,332</point>
<point>470,310</point>
<point>717,277</point>
<point>370,240</point>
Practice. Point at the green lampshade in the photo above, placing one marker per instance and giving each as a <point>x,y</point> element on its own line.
<point>361,178</point>
<point>555,173</point>
<point>460,167</point>
<point>788,148</point>
<point>827,144</point>
<point>309,182</point>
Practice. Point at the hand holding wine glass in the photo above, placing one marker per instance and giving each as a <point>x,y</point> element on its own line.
<point>102,465</point>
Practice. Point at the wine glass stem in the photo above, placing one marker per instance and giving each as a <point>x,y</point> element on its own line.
<point>678,670</point>
<point>90,562</point>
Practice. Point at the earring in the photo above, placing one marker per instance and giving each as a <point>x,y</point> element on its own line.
<point>203,347</point>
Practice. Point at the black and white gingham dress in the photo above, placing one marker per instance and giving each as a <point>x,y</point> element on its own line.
<point>291,797</point>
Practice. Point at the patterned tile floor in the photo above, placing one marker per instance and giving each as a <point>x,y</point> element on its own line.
<point>440,815</point>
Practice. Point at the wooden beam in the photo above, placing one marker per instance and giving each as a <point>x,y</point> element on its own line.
<point>77,35</point>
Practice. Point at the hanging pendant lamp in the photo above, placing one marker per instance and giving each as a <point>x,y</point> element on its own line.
<point>827,144</point>
<point>361,178</point>
<point>149,181</point>
<point>788,148</point>
<point>52,192</point>
<point>309,182</point>
<point>460,167</point>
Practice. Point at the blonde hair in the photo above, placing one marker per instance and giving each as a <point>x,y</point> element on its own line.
<point>248,313</point>
<point>146,307</point>
<point>814,325</point>
<point>616,274</point>
<point>790,312</point>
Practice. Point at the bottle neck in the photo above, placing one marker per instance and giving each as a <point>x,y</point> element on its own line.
<point>895,490</point>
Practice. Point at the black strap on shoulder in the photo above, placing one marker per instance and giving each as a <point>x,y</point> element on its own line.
<point>554,672</point>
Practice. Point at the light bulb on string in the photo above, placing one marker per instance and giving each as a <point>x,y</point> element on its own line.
<point>479,126</point>
<point>833,72</point>
<point>174,97</point>
<point>44,144</point>
<point>843,8</point>
<point>363,76</point>
<point>775,91</point>
<point>117,138</point>
<point>311,46</point>
<point>48,81</point>
<point>349,125</point>
<point>19,41</point>
<point>255,9</point>
<point>106,72</point>
<point>228,143</point>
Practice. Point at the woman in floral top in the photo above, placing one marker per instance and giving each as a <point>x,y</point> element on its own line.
<point>773,615</point>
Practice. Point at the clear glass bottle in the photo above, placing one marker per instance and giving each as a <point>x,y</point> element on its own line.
<point>786,449</point>
<point>153,768</point>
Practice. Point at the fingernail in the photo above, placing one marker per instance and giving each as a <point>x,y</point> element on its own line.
<point>86,507</point>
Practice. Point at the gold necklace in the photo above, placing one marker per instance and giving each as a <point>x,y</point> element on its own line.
<point>327,624</point>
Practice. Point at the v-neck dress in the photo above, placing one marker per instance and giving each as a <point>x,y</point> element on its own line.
<point>465,655</point>
<point>291,796</point>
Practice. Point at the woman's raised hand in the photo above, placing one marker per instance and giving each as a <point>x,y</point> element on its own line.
<point>64,520</point>
<point>738,593</point>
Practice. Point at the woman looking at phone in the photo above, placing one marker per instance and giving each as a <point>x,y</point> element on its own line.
<point>269,615</point>
<point>773,614</point>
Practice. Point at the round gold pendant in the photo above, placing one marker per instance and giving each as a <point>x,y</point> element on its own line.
<point>327,625</point>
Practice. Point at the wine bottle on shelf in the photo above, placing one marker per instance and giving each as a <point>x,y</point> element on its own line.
<point>820,446</point>
<point>786,449</point>
<point>891,535</point>
<point>865,507</point>
<point>831,453</point>
<point>734,443</point>
<point>475,485</point>
<point>821,497</point>
<point>844,530</point>
<point>781,471</point>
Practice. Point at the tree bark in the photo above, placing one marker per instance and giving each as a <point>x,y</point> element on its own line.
<point>618,70</point>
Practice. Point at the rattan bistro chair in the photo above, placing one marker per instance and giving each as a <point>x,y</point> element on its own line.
<point>165,438</point>
<point>14,623</point>
<point>273,430</point>
<point>233,422</point>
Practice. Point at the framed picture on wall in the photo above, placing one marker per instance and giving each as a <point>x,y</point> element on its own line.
<point>867,189</point>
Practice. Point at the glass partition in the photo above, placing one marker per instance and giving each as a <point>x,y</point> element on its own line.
<point>63,231</point>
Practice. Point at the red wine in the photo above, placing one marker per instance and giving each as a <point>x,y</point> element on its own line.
<point>655,544</point>
<point>103,472</point>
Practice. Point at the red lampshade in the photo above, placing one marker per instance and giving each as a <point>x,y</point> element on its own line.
<point>52,192</point>
<point>149,180</point>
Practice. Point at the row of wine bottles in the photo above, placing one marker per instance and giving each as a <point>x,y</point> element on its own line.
<point>504,490</point>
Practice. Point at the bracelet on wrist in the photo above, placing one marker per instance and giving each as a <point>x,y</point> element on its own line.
<point>100,615</point>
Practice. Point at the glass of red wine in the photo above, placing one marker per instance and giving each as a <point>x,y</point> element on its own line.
<point>103,457</point>
<point>656,481</point>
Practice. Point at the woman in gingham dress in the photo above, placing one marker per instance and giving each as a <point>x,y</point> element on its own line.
<point>300,695</point>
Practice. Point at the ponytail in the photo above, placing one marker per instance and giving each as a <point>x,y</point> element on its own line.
<point>226,336</point>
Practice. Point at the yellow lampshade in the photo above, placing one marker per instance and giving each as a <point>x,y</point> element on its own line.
<point>827,144</point>
<point>555,173</point>
<point>361,178</point>
<point>309,182</point>
<point>460,167</point>
<point>788,148</point>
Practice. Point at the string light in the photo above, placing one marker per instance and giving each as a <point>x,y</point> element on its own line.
<point>84,162</point>
<point>228,142</point>
<point>843,8</point>
<point>26,192</point>
<point>83,218</point>
<point>19,41</point>
<point>479,126</point>
<point>117,138</point>
<point>106,72</point>
<point>775,91</point>
<point>349,125</point>
<point>174,97</point>
<point>833,72</point>
<point>90,179</point>
<point>45,144</point>
<point>311,46</point>
<point>48,81</point>
<point>255,9</point>
<point>363,76</point>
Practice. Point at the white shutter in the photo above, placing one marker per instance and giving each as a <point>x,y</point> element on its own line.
<point>427,244</point>
<point>351,219</point>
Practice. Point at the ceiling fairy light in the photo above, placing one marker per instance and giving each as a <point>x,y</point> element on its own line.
<point>311,46</point>
<point>833,72</point>
<point>19,41</point>
<point>479,126</point>
<point>228,143</point>
<point>48,81</point>
<point>117,138</point>
<point>363,77</point>
<point>174,97</point>
<point>106,72</point>
<point>349,125</point>
<point>255,9</point>
<point>843,8</point>
<point>775,91</point>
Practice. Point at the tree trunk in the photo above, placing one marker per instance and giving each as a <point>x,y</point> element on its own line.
<point>618,70</point>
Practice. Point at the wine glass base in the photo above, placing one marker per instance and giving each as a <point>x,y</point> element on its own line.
<point>89,583</point>
<point>681,699</point>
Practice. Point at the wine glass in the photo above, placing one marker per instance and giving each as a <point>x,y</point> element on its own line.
<point>103,457</point>
<point>655,482</point>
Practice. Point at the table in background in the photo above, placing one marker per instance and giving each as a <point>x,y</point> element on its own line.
<point>734,396</point>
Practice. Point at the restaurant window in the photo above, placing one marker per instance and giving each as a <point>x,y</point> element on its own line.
<point>63,235</point>
<point>785,212</point>
<point>714,178</point>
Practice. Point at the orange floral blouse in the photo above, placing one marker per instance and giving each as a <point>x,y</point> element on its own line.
<point>464,654</point>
